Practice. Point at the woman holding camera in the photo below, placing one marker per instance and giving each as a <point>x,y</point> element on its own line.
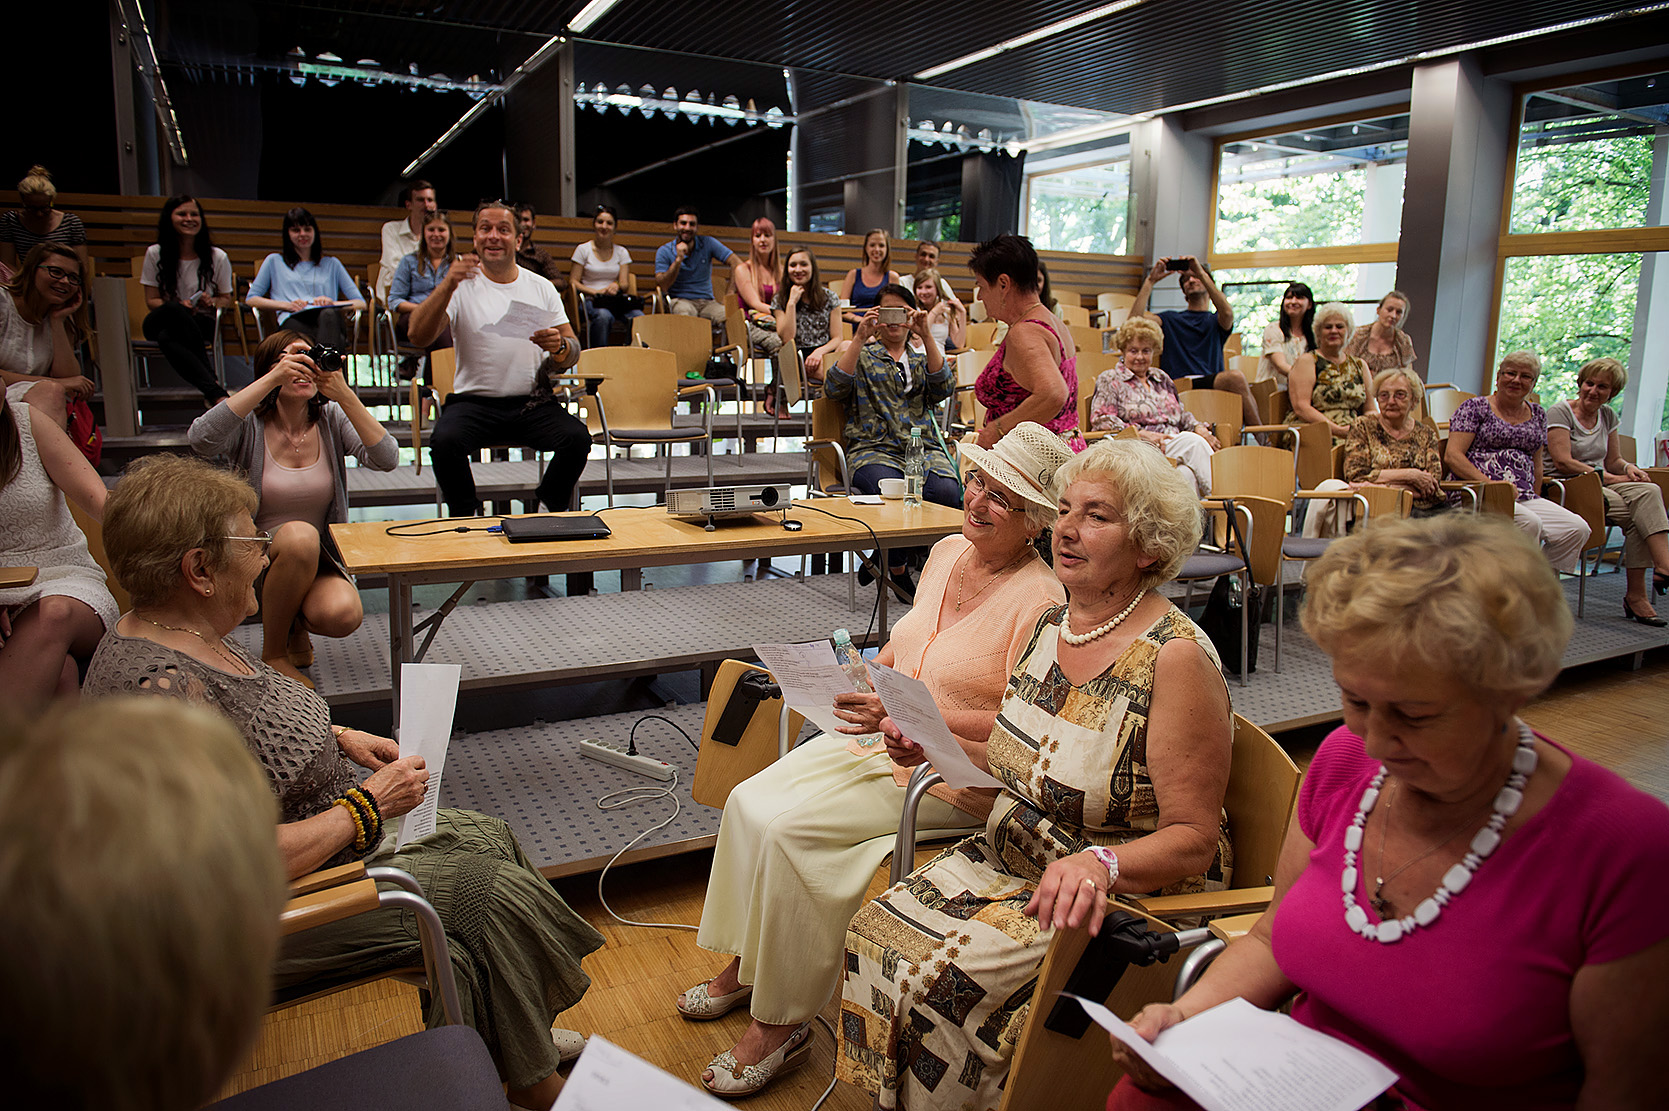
<point>290,431</point>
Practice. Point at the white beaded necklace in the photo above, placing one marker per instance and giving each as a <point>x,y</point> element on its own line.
<point>1507,801</point>
<point>1075,639</point>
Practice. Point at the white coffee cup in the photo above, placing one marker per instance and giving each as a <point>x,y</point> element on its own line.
<point>892,487</point>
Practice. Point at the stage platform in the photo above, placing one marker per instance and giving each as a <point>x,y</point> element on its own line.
<point>535,778</point>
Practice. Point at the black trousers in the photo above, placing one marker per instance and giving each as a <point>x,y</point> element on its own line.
<point>184,337</point>
<point>470,422</point>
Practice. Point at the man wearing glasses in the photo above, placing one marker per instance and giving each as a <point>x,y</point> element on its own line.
<point>889,386</point>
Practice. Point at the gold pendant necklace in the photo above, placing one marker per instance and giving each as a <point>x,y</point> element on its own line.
<point>211,645</point>
<point>962,576</point>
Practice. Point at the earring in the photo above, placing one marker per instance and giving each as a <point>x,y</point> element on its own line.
<point>208,591</point>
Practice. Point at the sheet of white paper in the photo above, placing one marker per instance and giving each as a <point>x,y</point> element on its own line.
<point>1237,1057</point>
<point>865,499</point>
<point>521,320</point>
<point>428,697</point>
<point>608,1078</point>
<point>810,678</point>
<point>910,705</point>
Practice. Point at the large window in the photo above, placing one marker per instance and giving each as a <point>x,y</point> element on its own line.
<point>1086,208</point>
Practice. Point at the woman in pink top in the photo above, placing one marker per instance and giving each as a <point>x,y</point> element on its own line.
<point>1034,374</point>
<point>1503,937</point>
<point>801,840</point>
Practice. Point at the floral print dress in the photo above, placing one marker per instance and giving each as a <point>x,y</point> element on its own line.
<point>996,389</point>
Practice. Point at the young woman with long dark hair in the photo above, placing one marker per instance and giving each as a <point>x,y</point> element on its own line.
<point>186,277</point>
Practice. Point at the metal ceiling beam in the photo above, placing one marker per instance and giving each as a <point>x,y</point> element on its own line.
<point>144,57</point>
<point>538,58</point>
<point>1597,103</point>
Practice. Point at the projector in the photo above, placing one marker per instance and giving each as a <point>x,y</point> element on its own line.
<point>728,501</point>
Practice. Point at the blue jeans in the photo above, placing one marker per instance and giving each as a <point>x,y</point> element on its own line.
<point>602,324</point>
<point>936,488</point>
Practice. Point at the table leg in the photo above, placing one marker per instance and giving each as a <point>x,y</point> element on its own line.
<point>399,635</point>
<point>881,584</point>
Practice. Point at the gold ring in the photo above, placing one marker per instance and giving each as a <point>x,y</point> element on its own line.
<point>1093,884</point>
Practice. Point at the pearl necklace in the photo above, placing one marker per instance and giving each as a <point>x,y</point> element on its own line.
<point>1076,639</point>
<point>1507,801</point>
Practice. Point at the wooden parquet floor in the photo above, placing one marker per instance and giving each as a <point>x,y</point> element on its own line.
<point>1604,711</point>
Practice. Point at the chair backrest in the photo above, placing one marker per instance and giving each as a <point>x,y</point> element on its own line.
<point>969,364</point>
<point>828,424</point>
<point>1074,316</point>
<point>1442,403</point>
<point>1387,501</point>
<point>1232,346</point>
<point>1091,365</point>
<point>980,335</point>
<point>1085,338</point>
<point>735,324</point>
<point>137,310</point>
<point>94,532</point>
<point>138,262</point>
<point>719,767</point>
<point>443,363</point>
<point>373,276</point>
<point>1266,472</point>
<point>1263,394</point>
<point>1262,792</point>
<point>690,338</point>
<point>1113,319</point>
<point>1315,454</point>
<point>1107,302</point>
<point>1246,365</point>
<point>1219,408</point>
<point>1584,496</point>
<point>791,373</point>
<point>640,392</point>
<point>1627,446</point>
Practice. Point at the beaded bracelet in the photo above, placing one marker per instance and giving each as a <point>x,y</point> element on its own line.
<point>374,819</point>
<point>359,823</point>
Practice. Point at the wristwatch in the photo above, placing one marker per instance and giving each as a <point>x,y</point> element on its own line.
<point>1110,858</point>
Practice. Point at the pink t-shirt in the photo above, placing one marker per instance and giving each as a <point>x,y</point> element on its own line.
<point>1474,1012</point>
<point>295,494</point>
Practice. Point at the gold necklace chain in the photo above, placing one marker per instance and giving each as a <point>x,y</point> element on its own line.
<point>962,576</point>
<point>1380,904</point>
<point>212,646</point>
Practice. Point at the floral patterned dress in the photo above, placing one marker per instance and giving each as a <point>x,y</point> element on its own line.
<point>996,389</point>
<point>1341,391</point>
<point>1150,404</point>
<point>1503,451</point>
<point>940,969</point>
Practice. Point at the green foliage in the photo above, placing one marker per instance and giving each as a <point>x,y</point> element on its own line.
<point>1287,213</point>
<point>1081,210</point>
<point>1564,183</point>
<point>1256,306</point>
<point>1569,309</point>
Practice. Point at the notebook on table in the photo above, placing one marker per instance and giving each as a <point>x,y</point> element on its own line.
<point>526,530</point>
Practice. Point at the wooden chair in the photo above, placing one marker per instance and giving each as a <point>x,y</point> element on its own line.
<point>1091,366</point>
<point>826,470</point>
<point>142,350</point>
<point>981,335</point>
<point>1074,316</point>
<point>1109,303</point>
<point>1218,408</point>
<point>690,339</point>
<point>635,403</point>
<point>1231,347</point>
<point>1584,496</point>
<point>966,412</point>
<point>768,736</point>
<point>1383,501</point>
<point>1659,475</point>
<point>1087,340</point>
<point>1227,550</point>
<point>1440,404</point>
<point>94,532</point>
<point>443,372</point>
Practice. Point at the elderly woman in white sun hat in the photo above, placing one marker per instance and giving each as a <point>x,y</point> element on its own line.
<point>801,840</point>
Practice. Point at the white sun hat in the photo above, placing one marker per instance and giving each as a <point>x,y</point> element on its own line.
<point>1025,460</point>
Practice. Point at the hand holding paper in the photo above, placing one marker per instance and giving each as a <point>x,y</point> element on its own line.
<point>521,320</point>
<point>428,697</point>
<point>910,705</point>
<point>810,679</point>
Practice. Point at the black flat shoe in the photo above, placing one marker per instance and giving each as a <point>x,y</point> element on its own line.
<point>1660,583</point>
<point>1654,621</point>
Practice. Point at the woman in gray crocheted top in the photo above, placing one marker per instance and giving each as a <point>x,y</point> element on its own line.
<point>181,537</point>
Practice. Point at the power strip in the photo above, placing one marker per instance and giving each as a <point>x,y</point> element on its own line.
<point>643,765</point>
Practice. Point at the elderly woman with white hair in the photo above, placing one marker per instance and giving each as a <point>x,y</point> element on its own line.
<point>1113,747</point>
<point>1582,437</point>
<point>1500,941</point>
<point>801,840</point>
<point>1503,437</point>
<point>1328,384</point>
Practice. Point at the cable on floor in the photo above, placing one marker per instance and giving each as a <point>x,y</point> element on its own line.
<point>629,796</point>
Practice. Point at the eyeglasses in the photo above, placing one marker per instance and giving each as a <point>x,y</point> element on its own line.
<point>977,486</point>
<point>264,539</point>
<point>1395,395</point>
<point>59,274</point>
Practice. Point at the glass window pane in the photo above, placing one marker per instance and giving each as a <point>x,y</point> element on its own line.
<point>1568,309</point>
<point>1256,296</point>
<point>1585,156</point>
<point>1084,209</point>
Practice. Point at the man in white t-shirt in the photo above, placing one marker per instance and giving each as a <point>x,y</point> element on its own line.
<point>494,399</point>
<point>403,237</point>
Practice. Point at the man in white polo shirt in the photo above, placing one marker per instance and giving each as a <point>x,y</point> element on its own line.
<point>494,401</point>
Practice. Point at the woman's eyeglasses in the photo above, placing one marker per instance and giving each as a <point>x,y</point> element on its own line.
<point>59,274</point>
<point>977,485</point>
<point>264,539</point>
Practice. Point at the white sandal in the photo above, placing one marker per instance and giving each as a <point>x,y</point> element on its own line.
<point>702,1006</point>
<point>733,1081</point>
<point>569,1043</point>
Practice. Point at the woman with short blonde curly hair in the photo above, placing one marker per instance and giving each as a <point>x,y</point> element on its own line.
<point>145,533</point>
<point>1136,394</point>
<point>1441,849</point>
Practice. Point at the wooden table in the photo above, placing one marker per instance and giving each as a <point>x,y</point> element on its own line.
<point>642,537</point>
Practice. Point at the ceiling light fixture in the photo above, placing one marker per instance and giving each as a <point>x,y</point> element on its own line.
<point>590,14</point>
<point>1028,38</point>
<point>534,61</point>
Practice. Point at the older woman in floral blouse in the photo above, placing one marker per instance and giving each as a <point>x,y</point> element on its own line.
<point>1137,394</point>
<point>1392,447</point>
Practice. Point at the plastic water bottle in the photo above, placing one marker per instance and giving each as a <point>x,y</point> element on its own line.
<point>915,470</point>
<point>851,662</point>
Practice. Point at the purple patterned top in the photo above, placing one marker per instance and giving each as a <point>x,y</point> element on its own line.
<point>1501,450</point>
<point>997,390</point>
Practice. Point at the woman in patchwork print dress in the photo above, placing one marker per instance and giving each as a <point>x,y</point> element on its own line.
<point>940,969</point>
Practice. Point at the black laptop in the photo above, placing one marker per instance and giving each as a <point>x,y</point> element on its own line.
<point>528,530</point>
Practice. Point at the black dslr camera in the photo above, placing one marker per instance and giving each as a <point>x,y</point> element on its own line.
<point>327,359</point>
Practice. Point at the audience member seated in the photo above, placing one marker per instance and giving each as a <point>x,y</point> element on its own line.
<point>1112,742</point>
<point>805,317</point>
<point>533,257</point>
<point>1137,394</point>
<point>1194,337</point>
<point>1289,337</point>
<point>496,400</point>
<point>1502,437</point>
<point>1044,293</point>
<point>307,288</point>
<point>600,274</point>
<point>39,222</point>
<point>1393,447</point>
<point>1383,344</point>
<point>1582,437</point>
<point>801,840</point>
<point>181,537</point>
<point>861,289</point>
<point>140,890</point>
<point>186,277</point>
<point>927,255</point>
<point>1033,376</point>
<point>684,269</point>
<point>1329,385</point>
<point>1484,868</point>
<point>39,312</point>
<point>290,433</point>
<point>405,236</point>
<point>417,276</point>
<point>757,279</point>
<point>50,627</point>
<point>890,386</point>
<point>946,318</point>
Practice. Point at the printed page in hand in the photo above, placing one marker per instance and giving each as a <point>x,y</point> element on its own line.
<point>1237,1057</point>
<point>428,697</point>
<point>810,678</point>
<point>910,705</point>
<point>521,320</point>
<point>608,1078</point>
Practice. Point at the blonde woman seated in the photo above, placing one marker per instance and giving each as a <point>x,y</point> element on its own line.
<point>946,318</point>
<point>1389,447</point>
<point>1502,942</point>
<point>801,840</point>
<point>1329,385</point>
<point>1582,437</point>
<point>1137,394</point>
<point>1112,743</point>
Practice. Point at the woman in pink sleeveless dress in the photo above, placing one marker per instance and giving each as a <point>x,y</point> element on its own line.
<point>1034,374</point>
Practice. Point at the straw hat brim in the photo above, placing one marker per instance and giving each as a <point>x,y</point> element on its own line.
<point>1008,474</point>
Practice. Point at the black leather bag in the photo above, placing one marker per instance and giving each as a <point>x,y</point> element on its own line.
<point>1221,622</point>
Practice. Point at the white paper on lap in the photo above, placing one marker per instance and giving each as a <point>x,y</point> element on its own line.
<point>608,1078</point>
<point>910,705</point>
<point>428,698</point>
